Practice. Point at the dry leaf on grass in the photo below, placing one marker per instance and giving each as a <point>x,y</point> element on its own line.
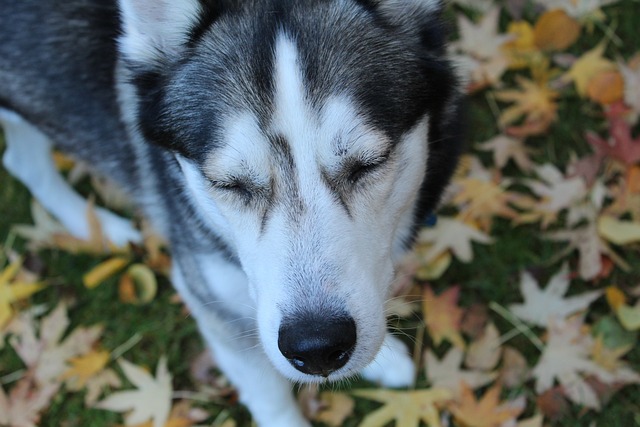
<point>579,9</point>
<point>540,306</point>
<point>587,67</point>
<point>25,402</point>
<point>555,30</point>
<point>453,235</point>
<point>46,353</point>
<point>514,371</point>
<point>484,353</point>
<point>12,291</point>
<point>448,374</point>
<point>505,148</point>
<point>535,101</point>
<point>443,316</point>
<point>566,358</point>
<point>556,192</point>
<point>151,399</point>
<point>486,412</point>
<point>631,75</point>
<point>407,408</point>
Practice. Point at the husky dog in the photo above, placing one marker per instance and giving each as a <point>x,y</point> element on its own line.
<point>287,149</point>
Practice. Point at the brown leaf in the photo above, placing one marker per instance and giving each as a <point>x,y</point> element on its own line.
<point>555,30</point>
<point>515,369</point>
<point>475,320</point>
<point>487,412</point>
<point>553,404</point>
<point>606,87</point>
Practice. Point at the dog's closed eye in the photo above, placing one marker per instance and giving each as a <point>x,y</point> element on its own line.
<point>360,169</point>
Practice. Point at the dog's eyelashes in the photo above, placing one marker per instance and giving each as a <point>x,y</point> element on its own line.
<point>359,170</point>
<point>235,187</point>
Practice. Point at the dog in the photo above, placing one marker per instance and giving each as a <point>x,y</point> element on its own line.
<point>288,150</point>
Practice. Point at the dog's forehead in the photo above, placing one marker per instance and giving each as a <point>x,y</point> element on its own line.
<point>305,132</point>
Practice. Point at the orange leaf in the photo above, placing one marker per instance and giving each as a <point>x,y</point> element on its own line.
<point>606,87</point>
<point>487,412</point>
<point>443,316</point>
<point>555,30</point>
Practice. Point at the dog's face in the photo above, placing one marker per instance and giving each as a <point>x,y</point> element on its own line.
<point>303,131</point>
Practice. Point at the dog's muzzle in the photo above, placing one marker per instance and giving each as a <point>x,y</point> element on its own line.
<point>317,344</point>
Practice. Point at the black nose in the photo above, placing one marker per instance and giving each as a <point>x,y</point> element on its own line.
<point>317,345</point>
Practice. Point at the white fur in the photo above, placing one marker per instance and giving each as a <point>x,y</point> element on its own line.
<point>28,158</point>
<point>155,28</point>
<point>368,238</point>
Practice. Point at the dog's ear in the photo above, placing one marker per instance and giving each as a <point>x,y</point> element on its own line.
<point>156,30</point>
<point>420,20</point>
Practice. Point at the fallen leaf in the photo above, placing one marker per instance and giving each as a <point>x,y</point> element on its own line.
<point>579,9</point>
<point>12,291</point>
<point>590,247</point>
<point>442,315</point>
<point>555,30</point>
<point>521,49</point>
<point>25,402</point>
<point>103,271</point>
<point>453,235</point>
<point>619,232</point>
<point>631,75</point>
<point>611,360</point>
<point>151,399</point>
<point>606,87</point>
<point>481,200</point>
<point>481,40</point>
<point>138,285</point>
<point>566,358</point>
<point>553,404</point>
<point>448,373</point>
<point>620,145</point>
<point>535,101</point>
<point>514,371</point>
<point>505,148</point>
<point>586,67</point>
<point>475,320</point>
<point>535,421</point>
<point>83,368</point>
<point>335,408</point>
<point>484,353</point>
<point>556,192</point>
<point>407,408</point>
<point>46,353</point>
<point>540,307</point>
<point>486,412</point>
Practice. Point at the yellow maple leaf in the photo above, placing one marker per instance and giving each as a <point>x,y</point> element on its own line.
<point>442,315</point>
<point>482,200</point>
<point>521,49</point>
<point>83,368</point>
<point>13,292</point>
<point>407,408</point>
<point>586,67</point>
<point>486,412</point>
<point>535,101</point>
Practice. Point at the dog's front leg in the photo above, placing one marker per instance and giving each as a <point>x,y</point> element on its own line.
<point>236,349</point>
<point>265,392</point>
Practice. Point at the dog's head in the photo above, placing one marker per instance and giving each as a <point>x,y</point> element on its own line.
<point>313,133</point>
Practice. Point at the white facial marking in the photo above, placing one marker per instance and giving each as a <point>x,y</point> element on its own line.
<point>306,252</point>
